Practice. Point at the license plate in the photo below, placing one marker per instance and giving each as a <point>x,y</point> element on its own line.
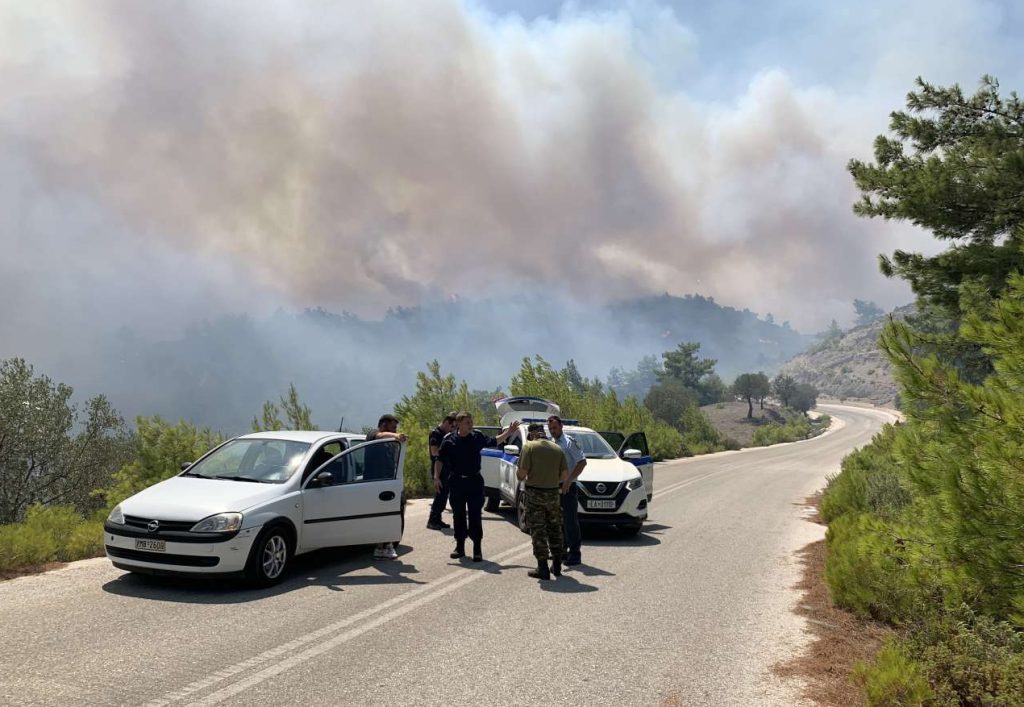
<point>601,504</point>
<point>151,545</point>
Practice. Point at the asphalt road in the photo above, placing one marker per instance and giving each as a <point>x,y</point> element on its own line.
<point>694,611</point>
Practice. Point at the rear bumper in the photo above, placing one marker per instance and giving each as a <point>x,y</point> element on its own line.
<point>192,558</point>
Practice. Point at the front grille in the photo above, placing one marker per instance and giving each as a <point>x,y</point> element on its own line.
<point>162,558</point>
<point>611,488</point>
<point>619,498</point>
<point>165,525</point>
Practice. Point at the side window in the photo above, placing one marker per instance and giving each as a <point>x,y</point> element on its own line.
<point>376,461</point>
<point>323,455</point>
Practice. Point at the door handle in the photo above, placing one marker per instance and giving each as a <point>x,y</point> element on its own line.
<point>386,495</point>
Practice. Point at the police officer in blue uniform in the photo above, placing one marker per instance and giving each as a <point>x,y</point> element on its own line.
<point>460,453</point>
<point>440,473</point>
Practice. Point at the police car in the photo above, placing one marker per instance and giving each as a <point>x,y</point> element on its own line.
<point>615,488</point>
<point>251,504</point>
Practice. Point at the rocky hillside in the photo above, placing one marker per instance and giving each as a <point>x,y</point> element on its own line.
<point>850,366</point>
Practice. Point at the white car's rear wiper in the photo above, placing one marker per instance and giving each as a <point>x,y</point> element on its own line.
<point>239,478</point>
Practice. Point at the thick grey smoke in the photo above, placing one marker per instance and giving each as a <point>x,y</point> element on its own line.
<point>162,162</point>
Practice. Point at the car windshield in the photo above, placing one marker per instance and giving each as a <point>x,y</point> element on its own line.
<point>270,461</point>
<point>593,445</point>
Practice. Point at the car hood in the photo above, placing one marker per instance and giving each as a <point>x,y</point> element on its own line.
<point>191,498</point>
<point>614,470</point>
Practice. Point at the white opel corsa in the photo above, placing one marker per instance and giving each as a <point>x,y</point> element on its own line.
<point>248,506</point>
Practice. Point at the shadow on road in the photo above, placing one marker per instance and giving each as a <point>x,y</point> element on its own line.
<point>485,566</point>
<point>604,536</point>
<point>332,569</point>
<point>566,585</point>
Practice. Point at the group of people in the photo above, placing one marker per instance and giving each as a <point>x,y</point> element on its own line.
<point>549,469</point>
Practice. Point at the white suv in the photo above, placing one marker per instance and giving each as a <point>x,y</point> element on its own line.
<point>615,488</point>
<point>251,504</point>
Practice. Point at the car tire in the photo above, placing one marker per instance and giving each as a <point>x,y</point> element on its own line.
<point>492,505</point>
<point>271,554</point>
<point>521,512</point>
<point>630,530</point>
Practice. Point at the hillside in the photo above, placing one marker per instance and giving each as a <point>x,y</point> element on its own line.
<point>851,366</point>
<point>219,372</point>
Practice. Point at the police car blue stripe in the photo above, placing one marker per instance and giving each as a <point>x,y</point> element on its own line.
<point>642,460</point>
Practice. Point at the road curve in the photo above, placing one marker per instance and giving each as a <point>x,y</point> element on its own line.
<point>694,611</point>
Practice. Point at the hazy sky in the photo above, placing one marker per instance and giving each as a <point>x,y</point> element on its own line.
<point>163,162</point>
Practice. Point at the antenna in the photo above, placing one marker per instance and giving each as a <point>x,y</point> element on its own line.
<point>341,425</point>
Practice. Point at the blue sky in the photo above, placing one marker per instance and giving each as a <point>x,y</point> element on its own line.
<point>212,157</point>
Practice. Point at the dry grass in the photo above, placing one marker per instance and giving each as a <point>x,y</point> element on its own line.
<point>841,640</point>
<point>731,420</point>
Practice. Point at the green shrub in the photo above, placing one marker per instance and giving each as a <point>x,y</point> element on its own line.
<point>22,545</point>
<point>699,435</point>
<point>665,441</point>
<point>86,540</point>
<point>893,679</point>
<point>796,428</point>
<point>42,537</point>
<point>870,481</point>
<point>971,659</point>
<point>874,569</point>
<point>418,476</point>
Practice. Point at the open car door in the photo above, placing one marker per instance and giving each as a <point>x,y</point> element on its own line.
<point>356,497</point>
<point>636,442</point>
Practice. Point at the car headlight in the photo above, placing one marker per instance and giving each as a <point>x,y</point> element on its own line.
<point>220,523</point>
<point>116,516</point>
<point>636,483</point>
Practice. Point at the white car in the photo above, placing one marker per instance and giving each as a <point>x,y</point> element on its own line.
<point>248,506</point>
<point>615,488</point>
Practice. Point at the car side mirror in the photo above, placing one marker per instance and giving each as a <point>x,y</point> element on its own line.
<point>512,450</point>
<point>632,454</point>
<point>324,478</point>
<point>186,465</point>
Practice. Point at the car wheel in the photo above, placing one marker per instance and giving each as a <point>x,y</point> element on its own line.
<point>270,557</point>
<point>492,505</point>
<point>521,512</point>
<point>630,530</point>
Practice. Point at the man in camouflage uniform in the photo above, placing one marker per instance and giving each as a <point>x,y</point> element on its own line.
<point>543,467</point>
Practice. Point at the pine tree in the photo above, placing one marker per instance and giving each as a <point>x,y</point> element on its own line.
<point>964,447</point>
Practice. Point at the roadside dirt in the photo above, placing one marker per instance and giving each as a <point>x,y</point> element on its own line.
<point>30,569</point>
<point>841,640</point>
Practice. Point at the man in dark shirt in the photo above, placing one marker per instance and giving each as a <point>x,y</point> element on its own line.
<point>379,463</point>
<point>439,472</point>
<point>460,452</point>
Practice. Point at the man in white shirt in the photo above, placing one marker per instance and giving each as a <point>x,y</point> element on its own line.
<point>576,462</point>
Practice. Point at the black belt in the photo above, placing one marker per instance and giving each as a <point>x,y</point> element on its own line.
<point>542,488</point>
<point>466,476</point>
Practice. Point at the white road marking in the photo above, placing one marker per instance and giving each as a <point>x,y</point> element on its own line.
<point>408,600</point>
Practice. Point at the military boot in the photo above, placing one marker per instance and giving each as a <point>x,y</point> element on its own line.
<point>459,552</point>
<point>541,572</point>
<point>556,567</point>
